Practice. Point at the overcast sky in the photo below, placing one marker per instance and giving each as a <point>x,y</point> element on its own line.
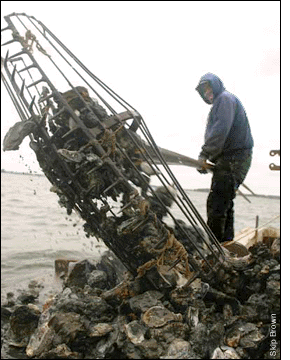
<point>153,54</point>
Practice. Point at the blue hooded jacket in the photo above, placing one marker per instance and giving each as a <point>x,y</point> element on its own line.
<point>228,133</point>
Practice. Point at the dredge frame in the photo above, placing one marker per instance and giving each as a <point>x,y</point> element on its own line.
<point>91,165</point>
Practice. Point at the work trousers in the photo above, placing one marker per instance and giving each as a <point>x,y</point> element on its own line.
<point>228,175</point>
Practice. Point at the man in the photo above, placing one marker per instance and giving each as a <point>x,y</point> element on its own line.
<point>228,144</point>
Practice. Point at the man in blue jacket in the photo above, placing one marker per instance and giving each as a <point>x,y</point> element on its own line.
<point>228,144</point>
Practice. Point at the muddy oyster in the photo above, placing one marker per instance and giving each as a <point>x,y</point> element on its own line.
<point>22,323</point>
<point>135,332</point>
<point>158,316</point>
<point>224,352</point>
<point>41,339</point>
<point>178,349</point>
<point>101,329</point>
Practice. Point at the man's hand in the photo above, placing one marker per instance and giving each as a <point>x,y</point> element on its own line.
<point>204,166</point>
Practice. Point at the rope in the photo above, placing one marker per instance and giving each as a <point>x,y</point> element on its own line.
<point>172,250</point>
<point>28,42</point>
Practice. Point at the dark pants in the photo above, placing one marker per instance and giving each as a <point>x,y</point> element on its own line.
<point>227,177</point>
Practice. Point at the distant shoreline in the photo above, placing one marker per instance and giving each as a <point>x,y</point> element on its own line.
<point>20,173</point>
<point>248,195</point>
<point>198,190</point>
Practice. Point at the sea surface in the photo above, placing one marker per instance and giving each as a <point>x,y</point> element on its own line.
<point>35,230</point>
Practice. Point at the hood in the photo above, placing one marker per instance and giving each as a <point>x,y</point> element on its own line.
<point>215,82</point>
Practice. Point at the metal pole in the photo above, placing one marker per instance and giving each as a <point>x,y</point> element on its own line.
<point>257,225</point>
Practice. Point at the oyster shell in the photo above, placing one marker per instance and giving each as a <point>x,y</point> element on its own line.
<point>158,316</point>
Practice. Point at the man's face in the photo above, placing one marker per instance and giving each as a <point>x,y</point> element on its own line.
<point>208,93</point>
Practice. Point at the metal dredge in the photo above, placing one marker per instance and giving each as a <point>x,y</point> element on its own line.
<point>93,147</point>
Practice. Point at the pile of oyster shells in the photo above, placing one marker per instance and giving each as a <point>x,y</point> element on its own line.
<point>102,312</point>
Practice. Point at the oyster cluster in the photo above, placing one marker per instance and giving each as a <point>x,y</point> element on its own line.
<point>102,311</point>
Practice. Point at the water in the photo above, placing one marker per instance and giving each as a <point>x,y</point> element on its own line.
<point>35,230</point>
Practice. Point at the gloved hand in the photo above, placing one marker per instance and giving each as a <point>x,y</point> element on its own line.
<point>204,166</point>
<point>202,171</point>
